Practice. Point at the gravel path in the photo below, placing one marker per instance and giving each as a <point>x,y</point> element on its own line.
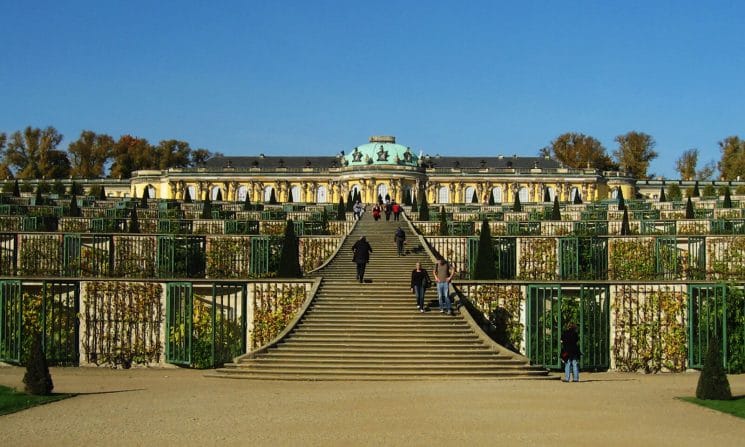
<point>182,407</point>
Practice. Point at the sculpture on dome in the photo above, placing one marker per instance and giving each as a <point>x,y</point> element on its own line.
<point>382,154</point>
<point>356,155</point>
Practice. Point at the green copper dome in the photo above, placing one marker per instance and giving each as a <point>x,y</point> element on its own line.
<point>381,150</point>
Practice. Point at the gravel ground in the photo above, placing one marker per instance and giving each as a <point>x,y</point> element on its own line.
<point>182,407</point>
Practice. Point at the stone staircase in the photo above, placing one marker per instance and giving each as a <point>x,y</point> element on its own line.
<point>374,331</point>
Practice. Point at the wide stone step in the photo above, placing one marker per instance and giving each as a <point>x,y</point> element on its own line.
<point>382,366</point>
<point>320,321</point>
<point>320,355</point>
<point>422,362</point>
<point>358,373</point>
<point>381,345</point>
<point>399,349</point>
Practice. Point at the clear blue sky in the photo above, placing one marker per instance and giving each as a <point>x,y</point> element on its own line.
<point>317,77</point>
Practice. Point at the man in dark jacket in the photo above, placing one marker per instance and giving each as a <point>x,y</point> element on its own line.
<point>400,239</point>
<point>570,351</point>
<point>362,250</point>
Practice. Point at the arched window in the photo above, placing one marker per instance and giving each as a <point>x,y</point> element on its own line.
<point>382,190</point>
<point>573,193</point>
<point>214,191</point>
<point>241,194</point>
<point>443,195</point>
<point>296,194</point>
<point>321,194</point>
<point>470,191</point>
<point>524,195</point>
<point>268,194</point>
<point>497,193</point>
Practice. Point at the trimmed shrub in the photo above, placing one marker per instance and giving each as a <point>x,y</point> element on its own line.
<point>407,197</point>
<point>674,193</point>
<point>546,195</point>
<point>475,198</point>
<point>414,206</point>
<point>218,196</point>
<point>37,379</point>
<point>621,200</point>
<point>272,198</point>
<point>727,198</point>
<point>16,189</point>
<point>696,192</point>
<point>289,259</point>
<point>74,209</point>
<point>485,267</point>
<point>145,197</point>
<point>713,383</point>
<point>689,209</point>
<point>662,195</point>
<point>517,206</point>
<point>341,210</point>
<point>134,224</point>
<point>424,208</point>
<point>625,228</point>
<point>187,195</point>
<point>709,191</point>
<point>443,223</point>
<point>556,211</point>
<point>290,198</point>
<point>577,198</point>
<point>491,198</point>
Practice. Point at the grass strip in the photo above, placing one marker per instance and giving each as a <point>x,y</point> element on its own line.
<point>735,407</point>
<point>12,400</point>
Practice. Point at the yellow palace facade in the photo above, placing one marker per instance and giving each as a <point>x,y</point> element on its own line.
<point>381,168</point>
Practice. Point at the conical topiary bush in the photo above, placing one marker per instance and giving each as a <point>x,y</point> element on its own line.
<point>414,206</point>
<point>696,192</point>
<point>187,195</point>
<point>350,201</point>
<point>577,198</point>
<point>37,379</point>
<point>556,210</point>
<point>727,203</point>
<point>16,189</point>
<point>290,198</point>
<point>689,209</point>
<point>663,199</point>
<point>207,208</point>
<point>247,202</point>
<point>134,223</point>
<point>218,196</point>
<point>621,200</point>
<point>546,195</point>
<point>443,223</point>
<point>474,198</point>
<point>272,197</point>
<point>357,196</point>
<point>713,383</point>
<point>485,267</point>
<point>625,228</point>
<point>424,208</point>
<point>517,206</point>
<point>341,210</point>
<point>145,197</point>
<point>491,198</point>
<point>102,194</point>
<point>74,208</point>
<point>38,200</point>
<point>407,197</point>
<point>289,259</point>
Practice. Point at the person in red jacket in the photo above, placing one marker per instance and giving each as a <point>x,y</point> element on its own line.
<point>396,208</point>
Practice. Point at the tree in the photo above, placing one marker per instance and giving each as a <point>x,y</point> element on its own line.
<point>674,193</point>
<point>696,192</point>
<point>350,200</point>
<point>247,202</point>
<point>33,154</point>
<point>709,191</point>
<point>37,379</point>
<point>173,154</point>
<point>272,198</point>
<point>357,196</point>
<point>187,195</point>
<point>713,383</point>
<point>290,199</point>
<point>491,199</point>
<point>4,170</point>
<point>662,195</point>
<point>89,154</point>
<point>443,223</point>
<point>686,164</point>
<point>625,227</point>
<point>621,200</point>
<point>16,189</point>
<point>732,163</point>
<point>546,195</point>
<point>690,214</point>
<point>218,196</point>
<point>635,151</point>
<point>474,197</point>
<point>324,222</point>
<point>485,267</point>
<point>423,207</point>
<point>341,210</point>
<point>556,211</point>
<point>579,151</point>
<point>200,156</point>
<point>727,198</point>
<point>131,154</point>
<point>38,200</point>
<point>289,259</point>
<point>102,193</point>
<point>577,198</point>
<point>517,206</point>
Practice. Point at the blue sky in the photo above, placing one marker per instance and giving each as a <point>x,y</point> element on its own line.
<point>317,77</point>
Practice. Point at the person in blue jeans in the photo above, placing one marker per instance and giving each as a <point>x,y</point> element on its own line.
<point>419,282</point>
<point>570,350</point>
<point>443,275</point>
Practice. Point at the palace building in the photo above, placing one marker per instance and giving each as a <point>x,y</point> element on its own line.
<point>382,167</point>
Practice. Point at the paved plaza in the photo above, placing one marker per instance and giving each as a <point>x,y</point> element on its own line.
<point>182,407</point>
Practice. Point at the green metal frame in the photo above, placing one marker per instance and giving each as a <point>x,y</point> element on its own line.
<point>179,320</point>
<point>11,321</point>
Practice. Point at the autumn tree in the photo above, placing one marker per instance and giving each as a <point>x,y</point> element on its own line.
<point>635,151</point>
<point>33,154</point>
<point>687,167</point>
<point>173,154</point>
<point>90,153</point>
<point>4,170</point>
<point>131,154</point>
<point>732,164</point>
<point>199,156</point>
<point>579,151</point>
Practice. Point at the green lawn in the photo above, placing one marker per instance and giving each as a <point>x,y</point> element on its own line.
<point>735,407</point>
<point>12,401</point>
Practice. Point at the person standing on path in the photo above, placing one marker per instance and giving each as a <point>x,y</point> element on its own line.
<point>443,275</point>
<point>387,209</point>
<point>570,352</point>
<point>400,239</point>
<point>376,212</point>
<point>419,281</point>
<point>396,208</point>
<point>357,208</point>
<point>361,257</point>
